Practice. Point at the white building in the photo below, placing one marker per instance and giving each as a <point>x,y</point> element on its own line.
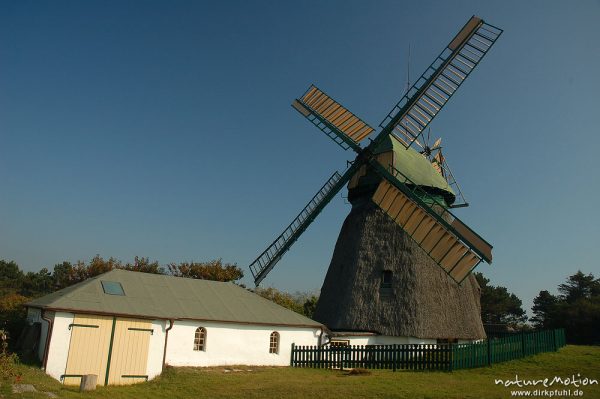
<point>126,326</point>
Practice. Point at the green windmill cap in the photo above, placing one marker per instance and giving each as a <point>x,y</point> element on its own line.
<point>417,168</point>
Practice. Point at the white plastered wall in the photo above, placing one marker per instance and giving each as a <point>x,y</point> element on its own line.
<point>231,344</point>
<point>381,340</point>
<point>59,344</point>
<point>156,348</point>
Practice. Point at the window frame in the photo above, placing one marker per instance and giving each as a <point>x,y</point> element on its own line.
<point>274,340</point>
<point>112,288</point>
<point>386,279</point>
<point>200,341</point>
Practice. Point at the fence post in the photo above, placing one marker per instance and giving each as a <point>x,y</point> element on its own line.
<point>394,357</point>
<point>293,354</point>
<point>554,339</point>
<point>489,351</point>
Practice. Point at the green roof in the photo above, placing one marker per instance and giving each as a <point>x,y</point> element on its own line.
<point>415,166</point>
<point>166,297</point>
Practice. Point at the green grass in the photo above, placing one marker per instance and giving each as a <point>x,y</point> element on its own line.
<point>272,382</point>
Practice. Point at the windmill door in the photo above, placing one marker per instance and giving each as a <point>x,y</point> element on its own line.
<point>114,349</point>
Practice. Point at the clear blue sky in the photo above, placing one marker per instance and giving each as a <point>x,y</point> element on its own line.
<point>164,129</point>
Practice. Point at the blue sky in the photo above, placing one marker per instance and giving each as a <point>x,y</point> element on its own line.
<point>164,129</point>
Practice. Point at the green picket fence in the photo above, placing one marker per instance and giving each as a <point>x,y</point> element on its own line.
<point>407,357</point>
<point>444,357</point>
<point>510,347</point>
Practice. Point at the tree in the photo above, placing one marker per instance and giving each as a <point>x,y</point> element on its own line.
<point>214,270</point>
<point>581,320</point>
<point>579,286</point>
<point>62,274</point>
<point>145,266</point>
<point>498,306</point>
<point>543,307</point>
<point>576,309</point>
<point>10,275</point>
<point>310,305</point>
<point>303,303</point>
<point>281,298</point>
<point>66,274</point>
<point>37,284</point>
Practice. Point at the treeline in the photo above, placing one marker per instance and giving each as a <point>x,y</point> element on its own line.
<point>64,274</point>
<point>576,308</point>
<point>18,287</point>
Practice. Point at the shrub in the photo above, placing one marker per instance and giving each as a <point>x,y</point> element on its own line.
<point>8,361</point>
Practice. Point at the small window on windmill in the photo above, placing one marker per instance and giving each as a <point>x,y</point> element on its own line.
<point>386,279</point>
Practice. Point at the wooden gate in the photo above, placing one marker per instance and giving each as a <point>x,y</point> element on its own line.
<point>88,349</point>
<point>129,358</point>
<point>114,349</point>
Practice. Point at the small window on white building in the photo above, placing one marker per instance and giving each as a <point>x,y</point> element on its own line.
<point>274,342</point>
<point>200,339</point>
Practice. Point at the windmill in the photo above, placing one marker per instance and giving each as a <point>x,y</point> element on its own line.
<point>397,179</point>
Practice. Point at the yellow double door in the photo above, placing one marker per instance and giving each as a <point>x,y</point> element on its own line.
<point>113,348</point>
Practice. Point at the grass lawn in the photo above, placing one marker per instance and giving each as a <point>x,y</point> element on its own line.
<point>272,382</point>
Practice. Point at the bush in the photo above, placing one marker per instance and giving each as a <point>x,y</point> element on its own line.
<point>8,361</point>
<point>13,315</point>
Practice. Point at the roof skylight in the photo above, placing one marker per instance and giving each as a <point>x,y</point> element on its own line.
<point>112,288</point>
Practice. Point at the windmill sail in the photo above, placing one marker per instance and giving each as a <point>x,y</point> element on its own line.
<point>265,262</point>
<point>341,125</point>
<point>448,241</point>
<point>452,244</point>
<point>413,113</point>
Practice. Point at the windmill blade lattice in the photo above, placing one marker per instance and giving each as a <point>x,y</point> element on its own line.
<point>424,100</point>
<point>265,262</point>
<point>333,119</point>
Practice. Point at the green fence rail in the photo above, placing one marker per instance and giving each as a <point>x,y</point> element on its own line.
<point>443,357</point>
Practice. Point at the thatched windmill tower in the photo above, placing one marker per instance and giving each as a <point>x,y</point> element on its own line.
<point>402,263</point>
<point>380,280</point>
